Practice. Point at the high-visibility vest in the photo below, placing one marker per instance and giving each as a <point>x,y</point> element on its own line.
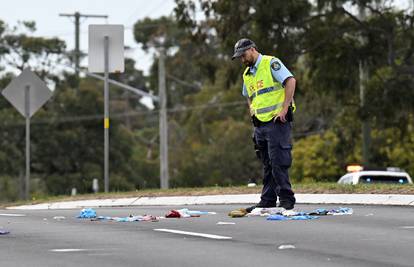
<point>266,95</point>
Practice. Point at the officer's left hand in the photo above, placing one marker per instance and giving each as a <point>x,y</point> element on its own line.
<point>281,115</point>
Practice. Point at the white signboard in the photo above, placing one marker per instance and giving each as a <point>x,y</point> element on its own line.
<point>96,51</point>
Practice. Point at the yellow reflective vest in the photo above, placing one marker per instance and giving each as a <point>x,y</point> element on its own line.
<point>266,95</point>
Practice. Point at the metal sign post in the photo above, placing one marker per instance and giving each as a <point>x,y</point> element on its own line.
<point>27,111</point>
<point>106,111</point>
<point>107,41</point>
<point>27,93</point>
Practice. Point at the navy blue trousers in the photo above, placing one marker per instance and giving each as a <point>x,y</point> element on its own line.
<point>275,146</point>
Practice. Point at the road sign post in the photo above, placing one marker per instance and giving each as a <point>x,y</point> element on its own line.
<point>27,93</point>
<point>107,41</point>
<point>27,111</point>
<point>106,111</point>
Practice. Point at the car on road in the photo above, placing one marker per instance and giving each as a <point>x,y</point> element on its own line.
<point>374,176</point>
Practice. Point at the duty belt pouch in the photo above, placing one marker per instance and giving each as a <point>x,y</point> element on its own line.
<point>255,121</point>
<point>289,114</point>
<point>256,147</point>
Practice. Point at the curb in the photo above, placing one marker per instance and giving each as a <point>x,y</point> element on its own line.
<point>361,199</point>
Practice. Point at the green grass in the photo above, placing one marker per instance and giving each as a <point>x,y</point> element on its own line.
<point>310,188</point>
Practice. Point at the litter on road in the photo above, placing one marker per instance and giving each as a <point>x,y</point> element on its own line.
<point>130,218</point>
<point>186,213</point>
<point>238,213</point>
<point>87,213</point>
<point>277,217</point>
<point>4,232</point>
<point>280,214</point>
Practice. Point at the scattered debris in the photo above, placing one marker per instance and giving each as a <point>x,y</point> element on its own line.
<point>173,214</point>
<point>277,217</point>
<point>288,246</point>
<point>186,213</point>
<point>280,214</point>
<point>4,232</point>
<point>91,214</point>
<point>87,213</point>
<point>130,218</point>
<point>289,213</point>
<point>341,211</point>
<point>238,213</point>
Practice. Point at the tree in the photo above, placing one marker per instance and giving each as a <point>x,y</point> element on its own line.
<point>20,50</point>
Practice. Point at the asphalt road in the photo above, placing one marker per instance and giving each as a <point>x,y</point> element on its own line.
<point>372,236</point>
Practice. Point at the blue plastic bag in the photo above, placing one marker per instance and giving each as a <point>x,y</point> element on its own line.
<point>277,217</point>
<point>304,217</point>
<point>87,213</point>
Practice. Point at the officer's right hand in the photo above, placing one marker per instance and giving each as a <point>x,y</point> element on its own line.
<point>281,116</point>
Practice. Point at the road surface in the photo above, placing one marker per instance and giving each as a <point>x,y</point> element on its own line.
<point>372,236</point>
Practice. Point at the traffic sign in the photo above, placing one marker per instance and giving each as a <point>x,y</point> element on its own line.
<point>96,49</point>
<point>39,93</point>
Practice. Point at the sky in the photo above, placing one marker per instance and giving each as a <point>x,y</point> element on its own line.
<point>49,24</point>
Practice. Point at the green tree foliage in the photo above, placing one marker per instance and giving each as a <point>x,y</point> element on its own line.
<point>315,158</point>
<point>19,49</point>
<point>67,133</point>
<point>322,42</point>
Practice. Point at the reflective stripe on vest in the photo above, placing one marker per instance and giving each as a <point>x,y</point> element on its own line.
<point>264,91</point>
<point>268,109</point>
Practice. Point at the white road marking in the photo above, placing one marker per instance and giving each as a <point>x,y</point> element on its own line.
<point>286,247</point>
<point>407,227</point>
<point>193,234</point>
<point>226,223</point>
<point>67,250</point>
<point>12,215</point>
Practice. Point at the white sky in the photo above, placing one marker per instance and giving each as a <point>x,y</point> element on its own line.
<point>49,24</point>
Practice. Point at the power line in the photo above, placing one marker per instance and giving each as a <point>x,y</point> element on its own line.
<point>82,118</point>
<point>77,16</point>
<point>146,14</point>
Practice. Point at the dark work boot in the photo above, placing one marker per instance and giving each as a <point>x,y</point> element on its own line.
<point>286,205</point>
<point>262,204</point>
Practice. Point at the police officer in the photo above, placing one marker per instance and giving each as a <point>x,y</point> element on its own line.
<point>269,87</point>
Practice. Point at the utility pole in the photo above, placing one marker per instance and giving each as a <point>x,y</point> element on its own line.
<point>363,77</point>
<point>164,174</point>
<point>77,53</point>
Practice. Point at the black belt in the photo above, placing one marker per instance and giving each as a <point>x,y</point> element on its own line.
<point>257,123</point>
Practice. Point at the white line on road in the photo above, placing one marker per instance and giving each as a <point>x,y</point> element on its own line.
<point>287,246</point>
<point>407,227</point>
<point>67,250</point>
<point>193,234</point>
<point>225,223</point>
<point>12,215</point>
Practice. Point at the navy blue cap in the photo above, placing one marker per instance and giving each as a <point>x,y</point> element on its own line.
<point>241,46</point>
